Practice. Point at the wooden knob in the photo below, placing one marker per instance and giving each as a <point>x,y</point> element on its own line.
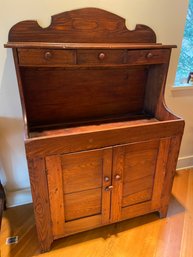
<point>106,179</point>
<point>149,55</point>
<point>117,177</point>
<point>101,56</point>
<point>108,188</point>
<point>48,55</point>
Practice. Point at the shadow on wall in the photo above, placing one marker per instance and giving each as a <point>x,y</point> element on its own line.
<point>12,152</point>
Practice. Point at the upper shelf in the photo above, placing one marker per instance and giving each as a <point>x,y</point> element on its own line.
<point>54,45</point>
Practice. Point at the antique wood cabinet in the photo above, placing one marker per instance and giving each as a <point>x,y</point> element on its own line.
<point>101,144</point>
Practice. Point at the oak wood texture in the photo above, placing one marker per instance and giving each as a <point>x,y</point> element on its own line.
<point>46,57</point>
<point>110,45</point>
<point>125,91</point>
<point>171,236</point>
<point>101,26</point>
<point>56,198</point>
<point>101,144</point>
<point>38,180</point>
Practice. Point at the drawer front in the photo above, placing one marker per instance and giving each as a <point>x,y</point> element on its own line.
<point>46,57</point>
<point>101,57</point>
<point>138,57</point>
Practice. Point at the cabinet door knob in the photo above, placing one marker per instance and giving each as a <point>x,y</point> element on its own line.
<point>149,55</point>
<point>101,56</point>
<point>48,55</point>
<point>106,179</point>
<point>108,188</point>
<point>117,177</point>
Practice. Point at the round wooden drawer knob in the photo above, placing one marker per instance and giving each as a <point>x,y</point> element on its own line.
<point>117,177</point>
<point>149,55</point>
<point>101,56</point>
<point>106,179</point>
<point>48,55</point>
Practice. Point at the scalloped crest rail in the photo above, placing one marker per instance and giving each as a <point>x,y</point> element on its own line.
<point>99,25</point>
<point>100,142</point>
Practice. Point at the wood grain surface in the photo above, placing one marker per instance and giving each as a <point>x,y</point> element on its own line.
<point>171,236</point>
<point>69,27</point>
<point>101,144</point>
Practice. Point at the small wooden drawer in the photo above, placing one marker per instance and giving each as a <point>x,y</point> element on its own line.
<point>138,57</point>
<point>47,57</point>
<point>101,57</point>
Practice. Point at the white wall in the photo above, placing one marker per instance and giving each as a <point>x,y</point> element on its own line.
<point>167,18</point>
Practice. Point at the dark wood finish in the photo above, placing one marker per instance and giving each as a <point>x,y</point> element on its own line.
<point>46,57</point>
<point>110,45</point>
<point>101,144</point>
<point>125,93</point>
<point>100,26</point>
<point>148,56</point>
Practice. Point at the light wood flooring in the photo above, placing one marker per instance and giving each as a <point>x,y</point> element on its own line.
<point>146,236</point>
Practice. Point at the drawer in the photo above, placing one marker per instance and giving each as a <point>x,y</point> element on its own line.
<point>137,57</point>
<point>101,57</point>
<point>46,57</point>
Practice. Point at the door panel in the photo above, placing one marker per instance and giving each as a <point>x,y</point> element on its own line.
<point>82,171</point>
<point>139,169</point>
<point>77,185</point>
<point>89,200</point>
<point>138,185</point>
<point>140,160</point>
<point>141,177</point>
<point>138,197</point>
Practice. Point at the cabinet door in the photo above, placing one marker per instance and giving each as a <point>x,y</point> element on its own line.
<point>138,176</point>
<point>79,192</point>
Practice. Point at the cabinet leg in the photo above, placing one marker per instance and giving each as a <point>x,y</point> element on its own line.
<point>41,206</point>
<point>45,246</point>
<point>163,212</point>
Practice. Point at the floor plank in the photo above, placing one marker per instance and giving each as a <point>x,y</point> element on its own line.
<point>139,237</point>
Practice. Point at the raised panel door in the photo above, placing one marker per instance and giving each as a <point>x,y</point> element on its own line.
<point>137,178</point>
<point>78,190</point>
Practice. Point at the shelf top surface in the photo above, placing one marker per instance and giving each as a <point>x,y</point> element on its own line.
<point>86,45</point>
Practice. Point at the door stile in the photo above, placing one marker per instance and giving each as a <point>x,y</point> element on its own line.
<point>55,187</point>
<point>117,182</point>
<point>106,185</point>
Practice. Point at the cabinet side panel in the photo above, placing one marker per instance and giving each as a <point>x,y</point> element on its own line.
<point>154,87</point>
<point>55,186</point>
<point>40,196</point>
<point>160,172</point>
<point>170,172</point>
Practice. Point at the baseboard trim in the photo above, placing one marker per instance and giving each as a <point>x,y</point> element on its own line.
<point>20,197</point>
<point>185,162</point>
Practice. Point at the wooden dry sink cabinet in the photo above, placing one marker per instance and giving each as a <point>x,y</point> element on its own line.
<point>101,144</point>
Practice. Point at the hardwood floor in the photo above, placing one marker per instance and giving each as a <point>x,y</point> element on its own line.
<point>139,237</point>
